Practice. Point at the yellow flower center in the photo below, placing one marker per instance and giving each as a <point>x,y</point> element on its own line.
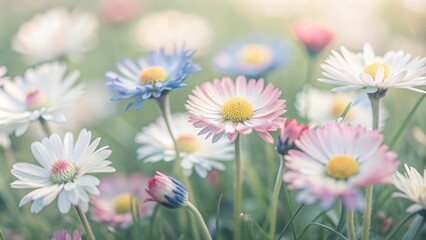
<point>342,167</point>
<point>152,75</point>
<point>256,54</point>
<point>188,144</point>
<point>124,203</point>
<point>373,68</point>
<point>237,109</point>
<point>338,106</point>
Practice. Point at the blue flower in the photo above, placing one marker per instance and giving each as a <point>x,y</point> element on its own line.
<point>151,76</point>
<point>253,58</point>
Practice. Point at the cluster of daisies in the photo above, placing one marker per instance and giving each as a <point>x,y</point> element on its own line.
<point>337,153</point>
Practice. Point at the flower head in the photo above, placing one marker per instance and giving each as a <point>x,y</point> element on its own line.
<point>56,34</point>
<point>336,161</point>
<point>41,93</point>
<point>171,28</point>
<point>321,107</point>
<point>290,131</point>
<point>119,195</point>
<point>151,76</point>
<point>370,72</point>
<point>196,153</point>
<point>167,191</point>
<point>253,59</point>
<point>314,36</point>
<point>63,171</point>
<point>64,235</point>
<point>225,106</point>
<point>411,186</point>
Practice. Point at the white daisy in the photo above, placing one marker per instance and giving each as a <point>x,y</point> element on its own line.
<point>41,93</point>
<point>63,170</point>
<point>56,34</point>
<point>171,29</point>
<point>324,107</point>
<point>196,152</point>
<point>412,186</point>
<point>367,71</point>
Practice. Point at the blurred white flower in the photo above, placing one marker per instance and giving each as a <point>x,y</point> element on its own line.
<point>56,34</point>
<point>172,29</point>
<point>195,151</point>
<point>324,106</point>
<point>40,94</point>
<point>63,171</point>
<point>411,186</point>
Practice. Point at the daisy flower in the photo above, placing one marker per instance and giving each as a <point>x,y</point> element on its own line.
<point>171,28</point>
<point>411,185</point>
<point>336,161</point>
<point>196,152</point>
<point>56,34</point>
<point>225,106</point>
<point>151,76</point>
<point>63,171</point>
<point>252,58</point>
<point>321,107</point>
<point>314,36</point>
<point>40,94</point>
<point>120,194</point>
<point>370,72</point>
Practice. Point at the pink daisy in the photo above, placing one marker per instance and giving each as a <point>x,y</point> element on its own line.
<point>335,161</point>
<point>224,106</point>
<point>118,195</point>
<point>314,36</point>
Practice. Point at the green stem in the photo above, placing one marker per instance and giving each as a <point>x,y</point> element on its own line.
<point>200,219</point>
<point>290,222</point>
<point>341,222</point>
<point>323,226</point>
<point>85,223</point>
<point>164,106</point>
<point>351,225</point>
<point>400,224</point>
<point>406,120</point>
<point>275,196</point>
<point>375,107</point>
<point>238,189</point>
<point>45,127</point>
<point>419,228</point>
<point>152,222</point>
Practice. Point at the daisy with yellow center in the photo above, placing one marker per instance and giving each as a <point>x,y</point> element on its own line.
<point>368,71</point>
<point>253,58</point>
<point>337,161</point>
<point>119,196</point>
<point>196,152</point>
<point>227,107</point>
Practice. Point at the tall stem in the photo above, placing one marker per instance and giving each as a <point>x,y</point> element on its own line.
<point>419,228</point>
<point>85,223</point>
<point>238,189</point>
<point>351,225</point>
<point>276,194</point>
<point>200,219</point>
<point>164,106</point>
<point>375,107</point>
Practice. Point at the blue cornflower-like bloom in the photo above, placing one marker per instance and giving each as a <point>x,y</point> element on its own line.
<point>253,58</point>
<point>151,76</point>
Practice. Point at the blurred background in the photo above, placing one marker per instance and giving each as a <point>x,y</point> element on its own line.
<point>130,28</point>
